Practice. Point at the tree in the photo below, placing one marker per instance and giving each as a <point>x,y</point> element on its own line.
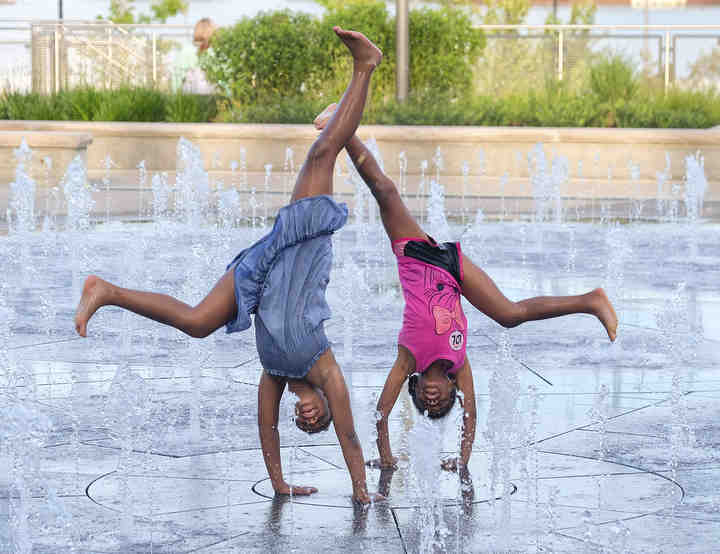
<point>122,11</point>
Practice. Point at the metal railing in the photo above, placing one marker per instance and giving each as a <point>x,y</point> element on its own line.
<point>50,55</point>
<point>668,39</point>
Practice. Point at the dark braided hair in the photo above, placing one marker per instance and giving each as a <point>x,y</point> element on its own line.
<point>412,391</point>
<point>310,430</point>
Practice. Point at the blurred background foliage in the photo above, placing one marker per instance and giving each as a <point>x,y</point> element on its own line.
<point>123,11</point>
<point>284,56</point>
<point>285,67</point>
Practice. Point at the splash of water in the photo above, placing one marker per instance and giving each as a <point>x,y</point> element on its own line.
<point>465,169</point>
<point>266,193</point>
<point>365,208</point>
<point>420,197</point>
<point>78,196</point>
<point>125,413</point>
<point>107,165</point>
<point>403,166</point>
<point>546,183</point>
<point>142,181</point>
<point>192,198</point>
<point>229,209</point>
<point>22,193</point>
<point>530,467</point>
<point>503,433</point>
<point>679,341</point>
<point>636,202</point>
<point>243,168</point>
<point>437,222</point>
<point>288,171</point>
<point>619,538</point>
<point>352,284</point>
<point>161,197</point>
<point>618,254</point>
<point>474,239</point>
<point>425,441</point>
<point>23,431</point>
<point>695,186</point>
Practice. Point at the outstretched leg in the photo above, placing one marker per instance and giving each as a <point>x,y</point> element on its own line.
<point>215,310</point>
<point>482,293</point>
<point>397,219</point>
<point>316,174</point>
<point>477,286</point>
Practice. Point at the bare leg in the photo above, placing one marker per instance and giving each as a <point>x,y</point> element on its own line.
<point>482,293</point>
<point>216,309</point>
<point>326,375</point>
<point>477,286</point>
<point>397,219</point>
<point>315,178</point>
<point>316,174</point>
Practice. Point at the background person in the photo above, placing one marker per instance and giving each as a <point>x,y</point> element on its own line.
<point>189,76</point>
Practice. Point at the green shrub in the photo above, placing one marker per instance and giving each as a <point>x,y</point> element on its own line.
<point>426,110</point>
<point>296,109</point>
<point>84,102</point>
<point>16,105</point>
<point>556,105</point>
<point>138,104</point>
<point>274,55</point>
<point>129,104</point>
<point>190,108</point>
<point>444,49</point>
<point>334,69</point>
<point>613,84</point>
<point>560,105</point>
<point>676,109</point>
<point>612,79</point>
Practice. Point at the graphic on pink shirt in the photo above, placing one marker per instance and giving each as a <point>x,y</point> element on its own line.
<point>443,301</point>
<point>444,318</point>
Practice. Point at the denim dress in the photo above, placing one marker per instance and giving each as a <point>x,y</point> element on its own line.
<point>282,279</point>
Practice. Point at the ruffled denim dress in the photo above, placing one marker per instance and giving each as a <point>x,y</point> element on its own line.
<point>282,279</point>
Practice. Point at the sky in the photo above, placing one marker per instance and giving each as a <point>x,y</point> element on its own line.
<point>230,10</point>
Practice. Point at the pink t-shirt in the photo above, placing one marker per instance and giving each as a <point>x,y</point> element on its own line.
<point>434,325</point>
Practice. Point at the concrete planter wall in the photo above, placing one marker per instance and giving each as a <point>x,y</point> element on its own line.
<point>599,160</point>
<point>60,146</point>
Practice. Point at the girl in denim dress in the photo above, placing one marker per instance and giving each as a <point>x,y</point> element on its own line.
<point>281,280</point>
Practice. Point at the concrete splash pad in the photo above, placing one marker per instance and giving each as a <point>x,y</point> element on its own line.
<point>139,439</point>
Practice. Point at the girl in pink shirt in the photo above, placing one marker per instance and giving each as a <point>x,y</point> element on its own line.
<point>431,344</point>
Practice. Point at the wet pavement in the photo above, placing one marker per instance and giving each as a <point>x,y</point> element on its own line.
<point>139,439</point>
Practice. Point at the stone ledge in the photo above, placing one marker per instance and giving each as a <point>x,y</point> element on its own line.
<point>601,162</point>
<point>60,146</point>
<point>42,139</point>
<point>389,133</point>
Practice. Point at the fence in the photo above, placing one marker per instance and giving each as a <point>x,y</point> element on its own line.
<point>48,56</point>
<point>684,55</point>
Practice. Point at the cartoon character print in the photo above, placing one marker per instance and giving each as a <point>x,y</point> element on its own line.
<point>443,300</point>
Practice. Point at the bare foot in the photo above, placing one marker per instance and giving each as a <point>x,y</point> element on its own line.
<point>94,295</point>
<point>286,489</point>
<point>322,119</point>
<point>605,312</point>
<point>363,51</point>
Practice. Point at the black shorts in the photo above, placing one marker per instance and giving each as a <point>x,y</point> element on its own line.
<point>445,255</point>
